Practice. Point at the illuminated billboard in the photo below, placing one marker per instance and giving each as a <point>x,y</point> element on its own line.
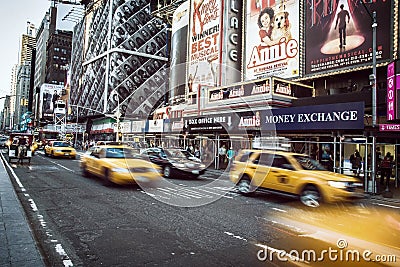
<point>49,94</point>
<point>338,34</point>
<point>271,39</point>
<point>204,32</point>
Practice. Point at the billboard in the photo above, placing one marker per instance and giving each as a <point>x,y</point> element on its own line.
<point>338,34</point>
<point>272,39</point>
<point>393,95</point>
<point>180,21</point>
<point>205,30</point>
<point>49,94</point>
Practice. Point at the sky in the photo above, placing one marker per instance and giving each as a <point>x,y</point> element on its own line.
<point>13,18</point>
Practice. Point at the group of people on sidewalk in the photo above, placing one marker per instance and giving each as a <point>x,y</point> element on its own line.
<point>225,157</point>
<point>384,165</point>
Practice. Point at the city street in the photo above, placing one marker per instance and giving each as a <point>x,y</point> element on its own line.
<point>80,221</point>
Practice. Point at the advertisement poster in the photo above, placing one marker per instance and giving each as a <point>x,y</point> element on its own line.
<point>272,39</point>
<point>204,44</point>
<point>339,34</point>
<point>49,94</point>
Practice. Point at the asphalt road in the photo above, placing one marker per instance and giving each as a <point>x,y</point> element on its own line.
<point>82,222</point>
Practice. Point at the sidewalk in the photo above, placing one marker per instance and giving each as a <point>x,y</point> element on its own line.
<point>17,245</point>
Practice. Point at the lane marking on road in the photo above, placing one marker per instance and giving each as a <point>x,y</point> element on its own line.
<point>16,178</point>
<point>58,164</point>
<point>295,229</point>
<point>215,193</point>
<point>58,248</point>
<point>385,205</point>
<point>278,210</point>
<point>190,193</point>
<point>235,236</point>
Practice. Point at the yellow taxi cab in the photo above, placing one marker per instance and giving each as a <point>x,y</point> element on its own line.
<point>60,149</point>
<point>293,174</point>
<point>35,146</point>
<point>119,164</point>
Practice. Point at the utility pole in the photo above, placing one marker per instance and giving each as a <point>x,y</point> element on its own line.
<point>372,79</point>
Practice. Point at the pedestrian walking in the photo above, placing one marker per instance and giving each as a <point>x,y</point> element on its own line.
<point>222,157</point>
<point>386,169</point>
<point>355,160</point>
<point>230,154</point>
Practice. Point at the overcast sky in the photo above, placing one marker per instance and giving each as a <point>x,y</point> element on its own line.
<point>13,19</point>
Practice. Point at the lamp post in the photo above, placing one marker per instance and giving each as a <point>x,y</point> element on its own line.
<point>76,125</point>
<point>372,79</point>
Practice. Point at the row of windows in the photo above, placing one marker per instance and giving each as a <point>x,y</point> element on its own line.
<point>63,50</point>
<point>57,57</point>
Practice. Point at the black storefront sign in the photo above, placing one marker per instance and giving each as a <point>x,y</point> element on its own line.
<point>320,117</point>
<point>230,122</point>
<point>244,90</point>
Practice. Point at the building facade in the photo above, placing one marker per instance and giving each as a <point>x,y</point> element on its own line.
<point>23,75</point>
<point>118,62</point>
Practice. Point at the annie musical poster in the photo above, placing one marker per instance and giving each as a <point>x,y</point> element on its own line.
<point>272,46</point>
<point>339,34</point>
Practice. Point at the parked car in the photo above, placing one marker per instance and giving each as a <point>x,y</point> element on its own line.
<point>190,155</point>
<point>3,142</point>
<point>118,164</point>
<point>294,174</point>
<point>173,162</point>
<point>60,149</point>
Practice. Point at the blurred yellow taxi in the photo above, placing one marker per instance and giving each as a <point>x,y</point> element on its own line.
<point>293,174</point>
<point>119,164</point>
<point>60,149</point>
<point>35,146</point>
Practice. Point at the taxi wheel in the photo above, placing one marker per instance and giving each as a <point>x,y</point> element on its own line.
<point>311,197</point>
<point>85,173</point>
<point>244,186</point>
<point>107,181</point>
<point>167,171</point>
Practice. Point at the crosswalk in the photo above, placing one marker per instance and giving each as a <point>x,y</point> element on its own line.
<point>182,191</point>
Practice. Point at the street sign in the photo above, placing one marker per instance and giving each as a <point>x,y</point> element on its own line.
<point>389,127</point>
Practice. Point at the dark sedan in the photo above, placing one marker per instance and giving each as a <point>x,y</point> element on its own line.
<point>173,161</point>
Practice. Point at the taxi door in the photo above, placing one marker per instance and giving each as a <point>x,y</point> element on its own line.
<point>282,174</point>
<point>260,167</point>
<point>93,164</point>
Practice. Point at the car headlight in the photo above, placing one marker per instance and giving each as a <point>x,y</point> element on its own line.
<point>120,170</point>
<point>336,184</point>
<point>57,150</point>
<point>179,165</point>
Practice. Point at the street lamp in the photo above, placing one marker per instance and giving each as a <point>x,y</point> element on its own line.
<point>117,116</point>
<point>372,79</point>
